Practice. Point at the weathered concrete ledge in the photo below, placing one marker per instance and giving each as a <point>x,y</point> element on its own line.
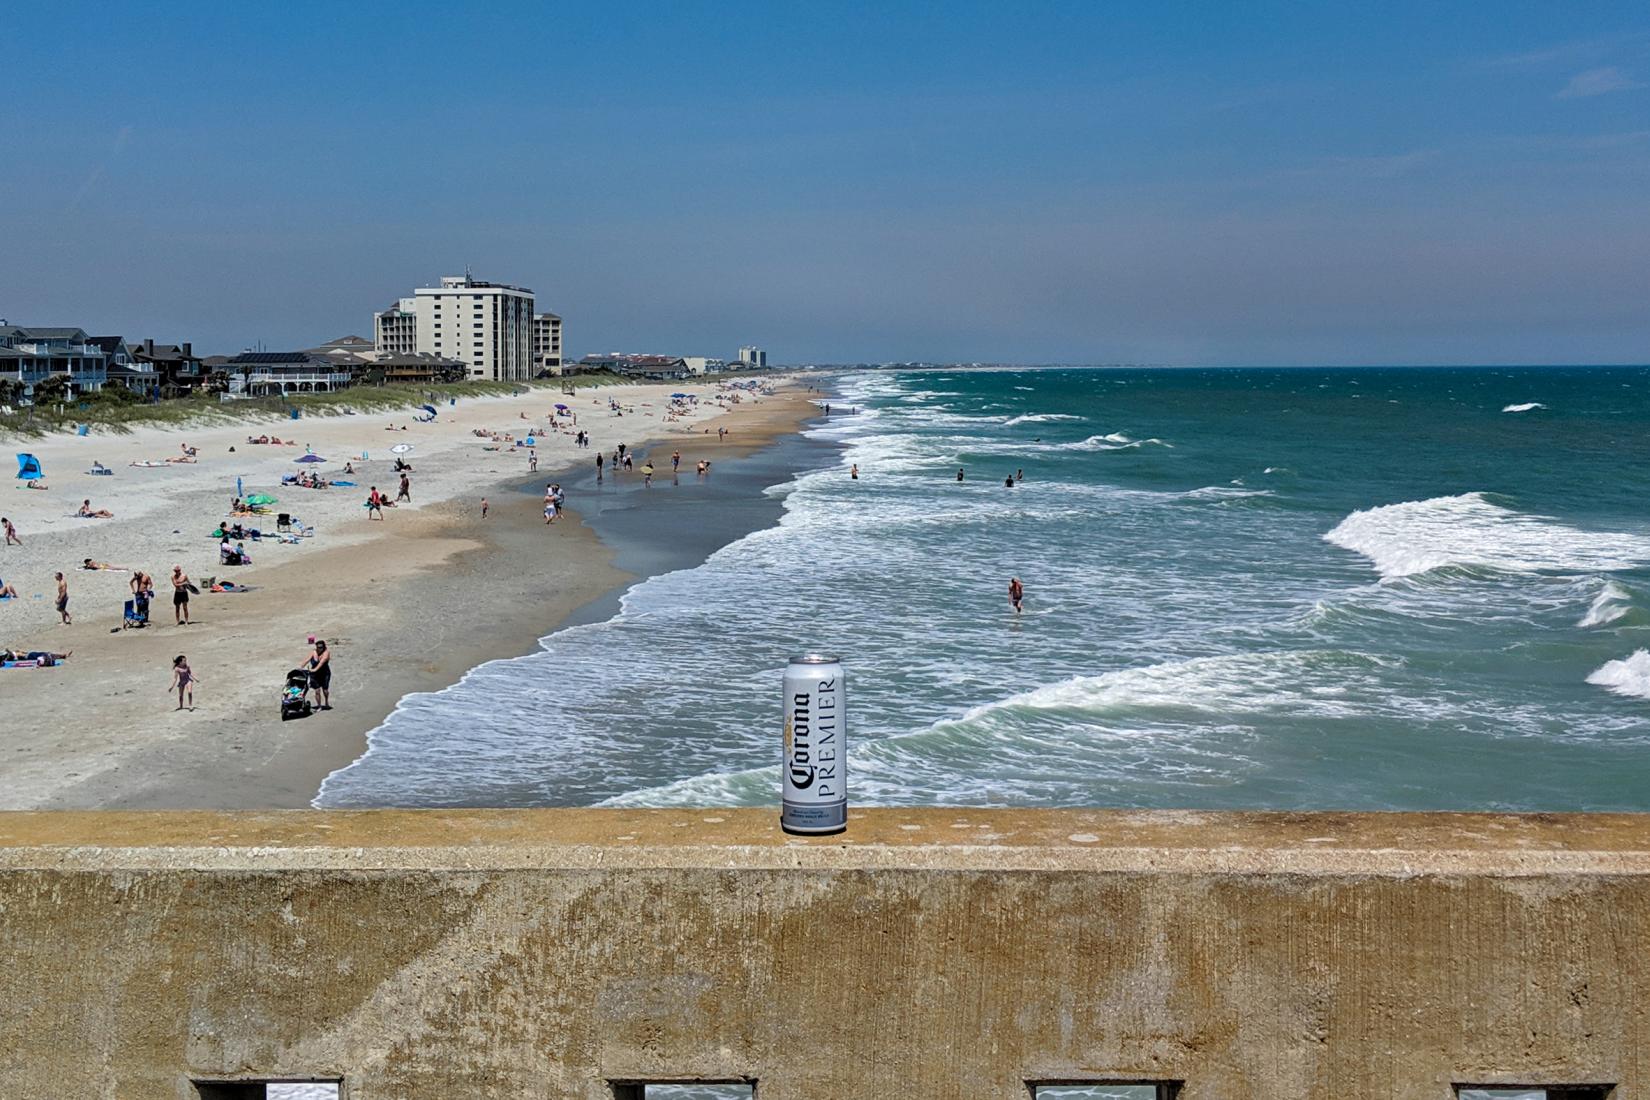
<point>936,952</point>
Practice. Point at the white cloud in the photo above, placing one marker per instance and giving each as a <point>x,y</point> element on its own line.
<point>1598,82</point>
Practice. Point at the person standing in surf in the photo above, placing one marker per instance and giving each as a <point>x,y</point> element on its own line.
<point>1016,594</point>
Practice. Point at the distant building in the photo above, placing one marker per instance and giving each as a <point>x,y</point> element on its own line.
<point>700,364</point>
<point>174,369</point>
<point>124,370</point>
<point>31,355</point>
<point>753,357</point>
<point>262,373</point>
<point>637,366</point>
<point>395,330</point>
<point>547,343</point>
<point>486,326</point>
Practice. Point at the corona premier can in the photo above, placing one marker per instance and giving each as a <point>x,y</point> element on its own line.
<point>814,764</point>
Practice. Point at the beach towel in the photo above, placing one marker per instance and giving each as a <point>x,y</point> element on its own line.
<point>28,467</point>
<point>28,664</point>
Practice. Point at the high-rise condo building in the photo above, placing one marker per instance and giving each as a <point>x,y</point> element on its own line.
<point>395,331</point>
<point>488,326</point>
<point>753,357</point>
<point>547,343</point>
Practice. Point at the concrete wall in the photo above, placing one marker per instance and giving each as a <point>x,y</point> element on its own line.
<point>925,954</point>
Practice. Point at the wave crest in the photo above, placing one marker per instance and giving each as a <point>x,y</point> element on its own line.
<point>1628,676</point>
<point>1468,530</point>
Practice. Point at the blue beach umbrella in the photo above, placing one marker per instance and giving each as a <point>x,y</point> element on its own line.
<point>309,458</point>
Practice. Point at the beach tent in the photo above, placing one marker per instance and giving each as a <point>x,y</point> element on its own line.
<point>28,466</point>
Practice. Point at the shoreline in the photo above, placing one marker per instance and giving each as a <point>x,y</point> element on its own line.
<point>633,529</point>
<point>410,605</point>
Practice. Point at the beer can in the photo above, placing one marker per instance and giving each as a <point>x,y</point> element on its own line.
<point>814,763</point>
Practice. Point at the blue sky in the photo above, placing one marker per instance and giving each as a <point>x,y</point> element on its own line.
<point>1086,182</point>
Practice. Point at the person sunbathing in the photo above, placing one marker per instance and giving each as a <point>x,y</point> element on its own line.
<point>35,483</point>
<point>90,564</point>
<point>87,512</point>
<point>39,656</point>
<point>7,592</point>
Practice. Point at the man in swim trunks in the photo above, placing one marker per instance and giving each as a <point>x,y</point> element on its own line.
<point>180,596</point>
<point>11,532</point>
<point>63,599</point>
<point>1016,594</point>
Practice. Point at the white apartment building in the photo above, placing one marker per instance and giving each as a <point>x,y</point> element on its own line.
<point>547,342</point>
<point>753,357</point>
<point>486,326</point>
<point>395,330</point>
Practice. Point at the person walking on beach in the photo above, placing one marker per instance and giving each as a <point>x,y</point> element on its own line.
<point>1016,594</point>
<point>647,475</point>
<point>598,466</point>
<point>621,450</point>
<point>375,504</point>
<point>532,461</point>
<point>319,665</point>
<point>11,532</point>
<point>184,679</point>
<point>180,595</point>
<point>63,599</point>
<point>483,507</point>
<point>675,461</point>
<point>406,490</point>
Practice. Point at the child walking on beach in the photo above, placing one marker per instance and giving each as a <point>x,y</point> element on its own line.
<point>184,679</point>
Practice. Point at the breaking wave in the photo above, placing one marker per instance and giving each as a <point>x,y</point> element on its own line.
<point>1609,605</point>
<point>1628,676</point>
<point>1524,408</point>
<point>1469,530</point>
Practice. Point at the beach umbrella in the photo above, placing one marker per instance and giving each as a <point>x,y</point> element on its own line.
<point>309,458</point>
<point>261,499</point>
<point>428,408</point>
<point>679,395</point>
<point>563,408</point>
<point>402,448</point>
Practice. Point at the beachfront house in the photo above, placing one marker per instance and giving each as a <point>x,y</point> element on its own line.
<point>265,373</point>
<point>173,370</point>
<point>29,355</point>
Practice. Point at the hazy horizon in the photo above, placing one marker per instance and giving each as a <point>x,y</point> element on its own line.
<point>1411,185</point>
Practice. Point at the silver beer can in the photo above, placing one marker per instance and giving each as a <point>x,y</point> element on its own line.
<point>814,765</point>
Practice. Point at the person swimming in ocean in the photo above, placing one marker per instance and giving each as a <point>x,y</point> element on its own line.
<point>959,473</point>
<point>1008,482</point>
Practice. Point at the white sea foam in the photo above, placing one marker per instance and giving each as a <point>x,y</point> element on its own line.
<point>1039,418</point>
<point>1610,604</point>
<point>1028,389</point>
<point>1524,408</point>
<point>1414,537</point>
<point>1628,676</point>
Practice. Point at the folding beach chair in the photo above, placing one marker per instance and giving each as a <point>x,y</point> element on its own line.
<point>283,522</point>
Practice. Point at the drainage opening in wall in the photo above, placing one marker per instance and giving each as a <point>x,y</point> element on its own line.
<point>270,1090</point>
<point>1104,1090</point>
<point>1534,1092</point>
<point>684,1090</point>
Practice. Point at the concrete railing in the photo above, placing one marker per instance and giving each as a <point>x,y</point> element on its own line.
<point>925,953</point>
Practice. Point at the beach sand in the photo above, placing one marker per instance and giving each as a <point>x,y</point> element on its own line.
<point>408,604</point>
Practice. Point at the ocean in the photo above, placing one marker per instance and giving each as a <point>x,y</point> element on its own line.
<point>1249,588</point>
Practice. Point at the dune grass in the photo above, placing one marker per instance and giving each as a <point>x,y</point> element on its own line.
<point>117,414</point>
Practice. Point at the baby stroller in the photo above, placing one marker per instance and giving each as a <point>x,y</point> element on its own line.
<point>295,696</point>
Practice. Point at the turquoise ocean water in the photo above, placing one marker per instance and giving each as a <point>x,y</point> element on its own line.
<point>1347,588</point>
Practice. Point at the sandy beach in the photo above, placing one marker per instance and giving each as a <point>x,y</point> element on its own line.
<point>407,604</point>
